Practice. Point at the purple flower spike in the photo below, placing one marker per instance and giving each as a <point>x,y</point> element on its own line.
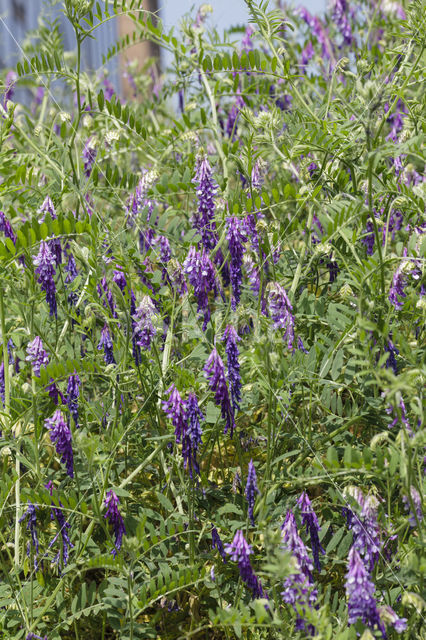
<point>193,435</point>
<point>236,238</point>
<point>73,392</point>
<point>63,528</point>
<point>281,311</point>
<point>341,19</point>
<point>175,410</point>
<point>120,279</point>
<point>60,434</point>
<point>251,490</point>
<point>143,328</point>
<point>47,207</point>
<point>399,282</point>
<point>45,262</point>
<point>217,543</point>
<point>37,355</point>
<point>240,551</point>
<point>201,274</point>
<point>6,227</point>
<point>89,155</point>
<point>203,220</point>
<point>106,344</point>
<point>310,520</point>
<point>231,338</point>
<point>298,590</point>
<point>215,374</point>
<point>365,528</point>
<point>165,250</point>
<point>30,513</point>
<point>115,519</point>
<point>360,592</point>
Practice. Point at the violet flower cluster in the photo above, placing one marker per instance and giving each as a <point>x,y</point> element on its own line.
<point>37,355</point>
<point>60,435</point>
<point>30,516</point>
<point>298,587</point>
<point>236,238</point>
<point>231,337</point>
<point>365,527</point>
<point>186,417</point>
<point>201,274</point>
<point>281,312</point>
<point>45,269</point>
<point>214,371</point>
<point>218,544</point>
<point>240,552</point>
<point>115,520</point>
<point>106,344</point>
<point>73,393</point>
<point>310,521</point>
<point>251,490</point>
<point>143,327</point>
<point>203,220</point>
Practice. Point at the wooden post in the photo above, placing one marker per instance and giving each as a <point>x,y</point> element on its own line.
<point>140,51</point>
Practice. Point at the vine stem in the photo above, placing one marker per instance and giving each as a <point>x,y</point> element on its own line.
<point>6,419</point>
<point>216,126</point>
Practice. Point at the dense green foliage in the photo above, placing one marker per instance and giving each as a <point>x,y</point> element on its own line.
<point>320,149</point>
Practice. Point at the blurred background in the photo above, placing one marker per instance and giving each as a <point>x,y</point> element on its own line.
<point>18,17</point>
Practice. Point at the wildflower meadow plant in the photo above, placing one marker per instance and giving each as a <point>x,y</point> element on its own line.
<point>212,301</point>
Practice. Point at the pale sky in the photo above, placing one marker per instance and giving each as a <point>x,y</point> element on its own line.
<point>225,12</point>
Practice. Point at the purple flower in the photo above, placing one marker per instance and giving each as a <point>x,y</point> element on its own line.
<point>106,343</point>
<point>63,526</point>
<point>231,338</point>
<point>297,587</point>
<point>388,615</point>
<point>399,282</point>
<point>310,520</point>
<point>89,155</point>
<point>165,251</point>
<point>365,527</point>
<point>360,593</point>
<point>73,392</point>
<point>6,227</point>
<point>281,312</point>
<point>257,175</point>
<point>143,328</point>
<point>203,220</point>
<point>33,636</point>
<point>340,17</point>
<point>47,207</point>
<point>236,238</point>
<point>30,513</point>
<point>37,355</point>
<point>60,434</point>
<point>45,270</point>
<point>307,54</point>
<point>231,123</point>
<point>120,279</point>
<point>193,434</point>
<point>415,516</point>
<point>175,410</point>
<point>11,78</point>
<point>240,551</point>
<point>115,519</point>
<point>217,543</point>
<point>251,490</point>
<point>201,275</point>
<point>252,273</point>
<point>215,374</point>
<point>106,296</point>
<point>391,362</point>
